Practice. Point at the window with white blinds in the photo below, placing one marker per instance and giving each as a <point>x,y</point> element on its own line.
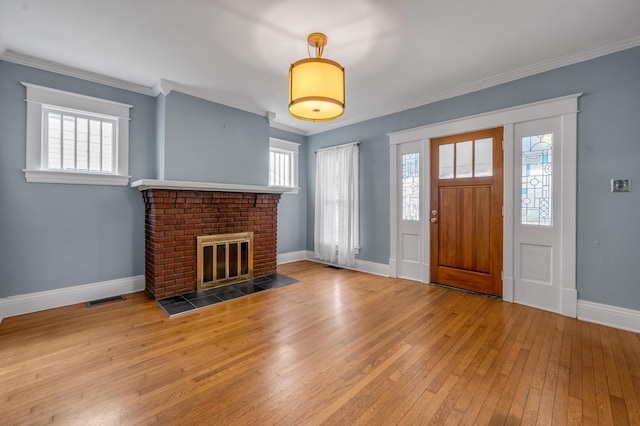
<point>283,164</point>
<point>77,139</point>
<point>79,142</point>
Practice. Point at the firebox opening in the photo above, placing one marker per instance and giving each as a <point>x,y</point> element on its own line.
<point>224,259</point>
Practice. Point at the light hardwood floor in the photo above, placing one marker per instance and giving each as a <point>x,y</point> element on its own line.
<point>338,347</point>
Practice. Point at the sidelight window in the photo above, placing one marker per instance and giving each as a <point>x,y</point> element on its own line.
<point>536,184</point>
<point>411,186</point>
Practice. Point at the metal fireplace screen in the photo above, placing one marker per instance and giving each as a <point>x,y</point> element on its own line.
<point>224,259</point>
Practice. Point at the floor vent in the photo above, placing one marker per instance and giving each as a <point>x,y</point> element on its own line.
<point>105,300</point>
<point>337,268</point>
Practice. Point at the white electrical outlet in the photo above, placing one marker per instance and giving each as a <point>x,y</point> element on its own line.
<point>620,185</point>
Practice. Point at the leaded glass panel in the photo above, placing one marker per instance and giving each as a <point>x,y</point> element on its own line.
<point>411,186</point>
<point>537,173</point>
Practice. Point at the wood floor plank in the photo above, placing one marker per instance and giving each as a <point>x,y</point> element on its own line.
<point>603,398</point>
<point>549,397</point>
<point>337,347</point>
<point>524,384</point>
<point>631,398</point>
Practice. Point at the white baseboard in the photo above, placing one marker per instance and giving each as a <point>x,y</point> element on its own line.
<point>32,302</point>
<point>293,256</point>
<point>361,265</point>
<point>507,289</point>
<point>393,268</point>
<point>569,302</point>
<point>612,316</point>
<point>372,267</point>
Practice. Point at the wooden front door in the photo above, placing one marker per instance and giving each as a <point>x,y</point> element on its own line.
<point>466,211</point>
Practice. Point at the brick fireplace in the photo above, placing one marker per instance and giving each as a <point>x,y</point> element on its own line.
<point>178,212</point>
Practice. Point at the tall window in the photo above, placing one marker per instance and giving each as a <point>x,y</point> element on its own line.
<point>73,138</point>
<point>283,164</point>
<point>336,233</point>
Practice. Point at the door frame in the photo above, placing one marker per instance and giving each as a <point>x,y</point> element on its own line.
<point>565,107</point>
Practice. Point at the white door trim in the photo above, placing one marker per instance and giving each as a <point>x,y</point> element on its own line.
<point>567,107</point>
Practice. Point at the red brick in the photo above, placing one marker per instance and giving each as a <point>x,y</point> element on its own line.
<point>174,218</point>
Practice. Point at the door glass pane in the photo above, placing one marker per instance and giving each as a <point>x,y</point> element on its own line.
<point>537,172</point>
<point>464,159</point>
<point>445,161</point>
<point>483,158</point>
<point>411,186</point>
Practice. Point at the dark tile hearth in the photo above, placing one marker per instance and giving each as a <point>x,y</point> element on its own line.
<point>180,304</point>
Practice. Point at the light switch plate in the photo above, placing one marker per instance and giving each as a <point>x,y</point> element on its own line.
<point>620,185</point>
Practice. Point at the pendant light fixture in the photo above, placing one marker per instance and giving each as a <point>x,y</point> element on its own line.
<point>316,85</point>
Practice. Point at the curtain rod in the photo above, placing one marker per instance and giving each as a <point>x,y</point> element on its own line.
<point>336,146</point>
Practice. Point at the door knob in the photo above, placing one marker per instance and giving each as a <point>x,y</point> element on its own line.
<point>434,220</point>
<point>434,212</point>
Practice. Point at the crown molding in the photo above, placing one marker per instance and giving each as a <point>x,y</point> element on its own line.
<point>486,83</point>
<point>58,68</point>
<point>286,128</point>
<point>165,86</point>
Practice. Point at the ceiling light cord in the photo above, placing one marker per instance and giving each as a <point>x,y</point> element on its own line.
<point>319,50</point>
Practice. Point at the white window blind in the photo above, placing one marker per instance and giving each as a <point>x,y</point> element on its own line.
<point>283,164</point>
<point>280,163</point>
<point>79,142</point>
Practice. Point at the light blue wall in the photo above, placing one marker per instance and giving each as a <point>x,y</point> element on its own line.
<point>608,240</point>
<point>292,217</point>
<point>208,142</point>
<point>54,235</point>
<point>374,185</point>
<point>161,113</point>
<point>199,140</point>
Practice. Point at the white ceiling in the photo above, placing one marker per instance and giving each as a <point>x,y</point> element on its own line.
<point>397,54</point>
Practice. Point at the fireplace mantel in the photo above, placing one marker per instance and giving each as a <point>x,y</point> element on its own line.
<point>179,185</point>
<point>178,212</point>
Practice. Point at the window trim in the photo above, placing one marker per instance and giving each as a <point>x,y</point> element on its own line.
<point>38,98</point>
<point>293,148</point>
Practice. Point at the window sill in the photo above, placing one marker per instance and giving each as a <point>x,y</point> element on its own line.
<point>75,178</point>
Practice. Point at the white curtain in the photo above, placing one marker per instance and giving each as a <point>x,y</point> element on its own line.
<point>337,230</point>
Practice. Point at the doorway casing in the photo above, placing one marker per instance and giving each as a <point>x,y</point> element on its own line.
<point>566,108</point>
